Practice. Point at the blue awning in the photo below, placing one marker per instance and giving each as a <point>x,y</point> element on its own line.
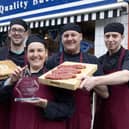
<point>40,18</point>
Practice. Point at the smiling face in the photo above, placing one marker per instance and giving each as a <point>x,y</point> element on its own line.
<point>71,41</point>
<point>113,41</point>
<point>36,55</point>
<point>17,35</point>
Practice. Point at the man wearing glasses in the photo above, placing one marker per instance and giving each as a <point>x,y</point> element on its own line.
<point>15,52</point>
<point>15,49</point>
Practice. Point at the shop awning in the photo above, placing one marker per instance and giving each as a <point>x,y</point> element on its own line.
<point>85,14</point>
<point>77,18</point>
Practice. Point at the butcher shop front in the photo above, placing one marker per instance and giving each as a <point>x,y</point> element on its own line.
<point>46,17</point>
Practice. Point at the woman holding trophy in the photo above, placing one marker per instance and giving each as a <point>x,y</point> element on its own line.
<point>35,106</point>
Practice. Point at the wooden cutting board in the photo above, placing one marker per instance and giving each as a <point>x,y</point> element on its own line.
<point>6,68</point>
<point>71,84</point>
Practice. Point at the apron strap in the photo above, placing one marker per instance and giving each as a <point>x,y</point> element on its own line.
<point>121,58</point>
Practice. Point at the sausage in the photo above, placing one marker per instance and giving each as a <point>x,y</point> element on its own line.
<point>76,66</point>
<point>54,76</point>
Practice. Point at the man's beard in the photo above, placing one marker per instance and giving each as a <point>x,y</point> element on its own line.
<point>17,44</point>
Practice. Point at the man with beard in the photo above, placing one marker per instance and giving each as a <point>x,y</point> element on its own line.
<point>15,52</point>
<point>15,49</point>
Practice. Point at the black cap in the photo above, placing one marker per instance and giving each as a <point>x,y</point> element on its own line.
<point>114,27</point>
<point>71,26</point>
<point>20,22</point>
<point>35,38</point>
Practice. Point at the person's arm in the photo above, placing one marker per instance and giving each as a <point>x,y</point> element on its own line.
<point>63,106</point>
<point>6,86</point>
<point>89,83</point>
<point>5,91</point>
<point>113,79</point>
<point>110,79</point>
<point>102,91</point>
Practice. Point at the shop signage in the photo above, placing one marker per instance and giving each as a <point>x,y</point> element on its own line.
<point>34,8</point>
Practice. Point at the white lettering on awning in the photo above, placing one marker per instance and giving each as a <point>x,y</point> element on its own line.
<point>14,6</point>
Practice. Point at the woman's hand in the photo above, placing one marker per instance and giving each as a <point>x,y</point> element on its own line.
<point>15,76</point>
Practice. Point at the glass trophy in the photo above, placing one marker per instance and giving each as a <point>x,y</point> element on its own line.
<point>26,88</point>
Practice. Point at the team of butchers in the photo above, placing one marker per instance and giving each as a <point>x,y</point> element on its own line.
<point>52,107</point>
